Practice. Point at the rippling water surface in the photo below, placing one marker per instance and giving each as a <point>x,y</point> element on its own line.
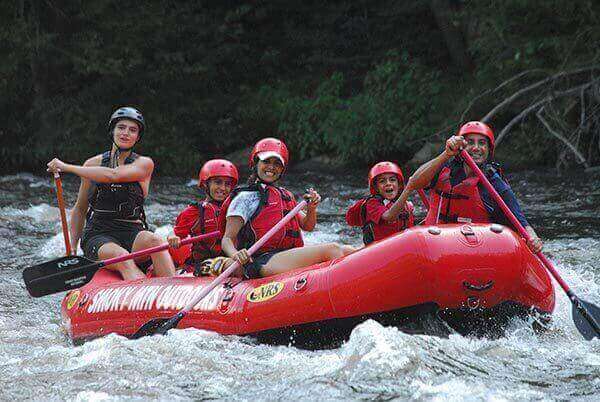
<point>38,361</point>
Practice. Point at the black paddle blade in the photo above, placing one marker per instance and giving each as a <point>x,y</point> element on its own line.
<point>587,318</point>
<point>58,275</point>
<point>158,326</point>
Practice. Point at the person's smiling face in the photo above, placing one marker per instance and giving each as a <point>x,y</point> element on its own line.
<point>478,147</point>
<point>269,170</point>
<point>387,185</point>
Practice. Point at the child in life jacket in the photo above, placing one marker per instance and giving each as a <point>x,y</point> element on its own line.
<point>251,211</point>
<point>217,178</point>
<point>384,212</point>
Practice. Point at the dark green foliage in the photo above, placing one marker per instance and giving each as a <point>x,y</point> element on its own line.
<point>361,80</point>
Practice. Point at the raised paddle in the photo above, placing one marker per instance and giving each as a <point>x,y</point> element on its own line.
<point>585,315</point>
<point>423,197</point>
<point>71,272</point>
<point>160,326</point>
<point>63,214</point>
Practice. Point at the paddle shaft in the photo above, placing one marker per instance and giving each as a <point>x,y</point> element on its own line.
<point>129,256</point>
<point>513,219</point>
<point>225,274</point>
<point>155,249</point>
<point>423,197</point>
<point>586,310</point>
<point>63,213</point>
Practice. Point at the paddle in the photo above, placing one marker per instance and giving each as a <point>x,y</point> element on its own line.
<point>63,214</point>
<point>71,272</point>
<point>160,326</point>
<point>585,315</point>
<point>423,197</point>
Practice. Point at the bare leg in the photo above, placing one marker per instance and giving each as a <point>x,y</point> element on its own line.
<point>127,269</point>
<point>303,257</point>
<point>162,261</point>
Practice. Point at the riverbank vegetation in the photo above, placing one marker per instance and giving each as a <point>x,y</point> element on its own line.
<point>358,80</point>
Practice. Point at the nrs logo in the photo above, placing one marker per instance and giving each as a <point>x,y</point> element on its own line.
<point>265,292</point>
<point>67,263</point>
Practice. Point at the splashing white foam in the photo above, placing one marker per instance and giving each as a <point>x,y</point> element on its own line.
<point>37,213</point>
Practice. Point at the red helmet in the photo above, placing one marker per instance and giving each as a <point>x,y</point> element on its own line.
<point>267,148</point>
<point>215,168</point>
<point>381,168</point>
<point>477,127</point>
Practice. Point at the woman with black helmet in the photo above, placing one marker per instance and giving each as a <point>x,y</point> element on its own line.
<point>108,215</point>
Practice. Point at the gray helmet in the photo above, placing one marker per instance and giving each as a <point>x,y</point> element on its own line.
<point>126,113</point>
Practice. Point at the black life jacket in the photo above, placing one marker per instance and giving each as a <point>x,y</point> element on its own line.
<point>117,200</point>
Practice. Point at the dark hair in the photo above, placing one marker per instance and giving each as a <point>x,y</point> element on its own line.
<point>253,173</point>
<point>252,178</point>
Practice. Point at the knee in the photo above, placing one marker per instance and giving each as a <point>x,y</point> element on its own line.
<point>110,251</point>
<point>150,239</point>
<point>335,250</point>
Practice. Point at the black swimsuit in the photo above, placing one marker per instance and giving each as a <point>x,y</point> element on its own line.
<point>116,213</point>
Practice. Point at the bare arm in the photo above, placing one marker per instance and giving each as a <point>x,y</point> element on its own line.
<point>140,170</point>
<point>398,206</point>
<point>308,219</point>
<point>424,174</point>
<point>232,228</point>
<point>81,206</point>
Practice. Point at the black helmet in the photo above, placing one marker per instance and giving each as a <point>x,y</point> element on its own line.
<point>130,113</point>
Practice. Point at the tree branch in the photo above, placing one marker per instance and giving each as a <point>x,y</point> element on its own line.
<point>536,105</point>
<point>556,134</point>
<point>531,87</point>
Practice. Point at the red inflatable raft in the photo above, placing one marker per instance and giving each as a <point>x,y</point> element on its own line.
<point>473,277</point>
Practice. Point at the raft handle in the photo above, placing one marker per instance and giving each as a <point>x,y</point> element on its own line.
<point>496,228</point>
<point>300,284</point>
<point>434,230</point>
<point>478,288</point>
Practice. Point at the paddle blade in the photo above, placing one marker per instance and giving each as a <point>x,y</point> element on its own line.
<point>158,326</point>
<point>587,318</point>
<point>58,275</point>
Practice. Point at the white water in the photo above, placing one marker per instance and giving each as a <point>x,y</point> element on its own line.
<point>38,361</point>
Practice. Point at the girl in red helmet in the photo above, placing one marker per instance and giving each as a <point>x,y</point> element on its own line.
<point>251,211</point>
<point>455,192</point>
<point>217,178</point>
<point>109,215</point>
<point>383,213</point>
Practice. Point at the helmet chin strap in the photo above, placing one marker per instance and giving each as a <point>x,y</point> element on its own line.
<point>118,151</point>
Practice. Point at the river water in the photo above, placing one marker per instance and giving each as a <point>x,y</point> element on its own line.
<point>38,361</point>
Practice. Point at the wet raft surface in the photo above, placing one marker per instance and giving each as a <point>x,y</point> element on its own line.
<point>377,362</point>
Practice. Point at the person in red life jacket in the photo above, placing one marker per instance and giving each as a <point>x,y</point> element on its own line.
<point>217,178</point>
<point>251,211</point>
<point>108,215</point>
<point>383,213</point>
<point>455,192</point>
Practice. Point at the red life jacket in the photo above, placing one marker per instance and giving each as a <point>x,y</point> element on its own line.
<point>275,203</point>
<point>206,221</point>
<point>208,215</point>
<point>459,203</point>
<point>357,216</point>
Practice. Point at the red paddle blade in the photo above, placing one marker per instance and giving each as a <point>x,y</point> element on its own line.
<point>59,275</point>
